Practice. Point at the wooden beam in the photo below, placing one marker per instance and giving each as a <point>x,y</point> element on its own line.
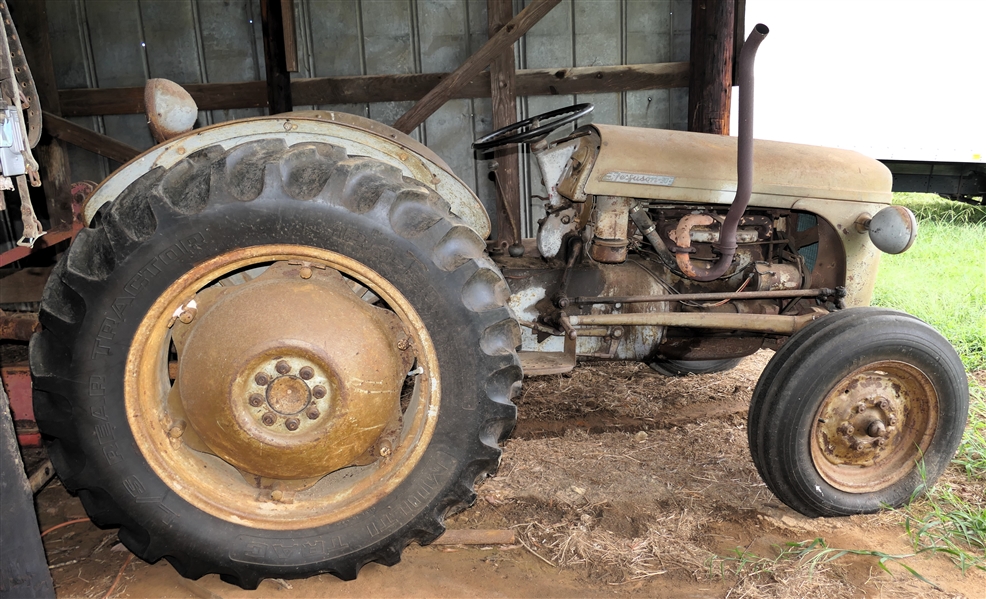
<point>130,100</point>
<point>712,66</point>
<point>275,61</point>
<point>31,19</point>
<point>103,145</point>
<point>592,80</point>
<point>384,88</point>
<point>504,94</point>
<point>504,38</point>
<point>290,43</point>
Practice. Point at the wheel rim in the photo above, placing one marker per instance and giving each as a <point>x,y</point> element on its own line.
<point>873,426</point>
<point>282,423</point>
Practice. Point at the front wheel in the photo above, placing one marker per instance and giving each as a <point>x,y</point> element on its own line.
<point>859,410</point>
<point>275,361</point>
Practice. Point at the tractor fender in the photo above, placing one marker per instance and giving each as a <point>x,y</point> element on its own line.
<point>359,136</point>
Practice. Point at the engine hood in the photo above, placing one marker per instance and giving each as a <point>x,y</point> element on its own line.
<point>661,164</point>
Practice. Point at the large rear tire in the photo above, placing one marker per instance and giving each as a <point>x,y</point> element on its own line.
<point>857,411</point>
<point>307,284</point>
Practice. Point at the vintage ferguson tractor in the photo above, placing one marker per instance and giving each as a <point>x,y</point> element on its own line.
<point>281,347</point>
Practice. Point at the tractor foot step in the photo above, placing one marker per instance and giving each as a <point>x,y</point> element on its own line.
<point>536,363</point>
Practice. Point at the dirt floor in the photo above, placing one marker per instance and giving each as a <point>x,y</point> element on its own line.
<point>617,481</point>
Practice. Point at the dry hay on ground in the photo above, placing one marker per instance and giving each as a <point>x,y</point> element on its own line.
<point>629,476</point>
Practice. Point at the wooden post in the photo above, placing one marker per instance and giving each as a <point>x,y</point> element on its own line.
<point>31,20</point>
<point>275,60</point>
<point>503,91</point>
<point>290,42</point>
<point>739,31</point>
<point>711,82</point>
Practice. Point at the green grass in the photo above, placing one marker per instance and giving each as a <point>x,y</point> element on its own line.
<point>942,280</point>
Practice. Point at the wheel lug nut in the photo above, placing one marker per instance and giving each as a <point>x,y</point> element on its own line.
<point>292,424</point>
<point>307,372</point>
<point>312,413</point>
<point>881,442</point>
<point>261,379</point>
<point>884,404</point>
<point>256,400</point>
<point>282,367</point>
<point>318,392</point>
<point>269,419</point>
<point>847,429</point>
<point>860,407</point>
<point>177,429</point>
<point>892,420</point>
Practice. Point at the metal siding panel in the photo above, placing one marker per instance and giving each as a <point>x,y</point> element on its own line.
<point>169,32</point>
<point>680,52</point>
<point>649,39</point>
<point>598,42</point>
<point>229,51</point>
<point>337,45</point>
<point>70,61</point>
<point>482,112</point>
<point>114,31</point>
<point>387,38</point>
<point>444,43</point>
<point>69,54</point>
<point>118,60</point>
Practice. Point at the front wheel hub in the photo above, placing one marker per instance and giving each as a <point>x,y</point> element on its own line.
<point>873,425</point>
<point>290,377</point>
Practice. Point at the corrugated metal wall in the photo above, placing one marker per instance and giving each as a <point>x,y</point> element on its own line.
<point>122,43</point>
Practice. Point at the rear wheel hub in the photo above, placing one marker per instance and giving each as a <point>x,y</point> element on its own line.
<point>290,377</point>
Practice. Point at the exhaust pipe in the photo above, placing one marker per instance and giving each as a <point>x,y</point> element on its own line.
<point>744,168</point>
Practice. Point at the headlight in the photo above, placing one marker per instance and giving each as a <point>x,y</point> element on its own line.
<point>893,229</point>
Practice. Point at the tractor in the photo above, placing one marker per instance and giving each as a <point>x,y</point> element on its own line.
<point>281,345</point>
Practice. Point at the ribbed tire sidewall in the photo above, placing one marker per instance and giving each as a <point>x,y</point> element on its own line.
<point>311,194</point>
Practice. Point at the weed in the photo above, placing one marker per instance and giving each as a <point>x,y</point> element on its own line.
<point>944,521</point>
<point>971,456</point>
<point>814,554</point>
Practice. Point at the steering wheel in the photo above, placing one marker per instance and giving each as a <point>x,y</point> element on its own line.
<point>532,129</point>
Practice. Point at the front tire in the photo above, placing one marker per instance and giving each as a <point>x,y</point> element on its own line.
<point>291,263</point>
<point>847,409</point>
<point>687,367</point>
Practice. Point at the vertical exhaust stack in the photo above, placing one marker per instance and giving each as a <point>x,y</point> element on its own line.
<point>744,167</point>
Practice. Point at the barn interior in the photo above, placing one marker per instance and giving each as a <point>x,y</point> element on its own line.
<point>444,72</point>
